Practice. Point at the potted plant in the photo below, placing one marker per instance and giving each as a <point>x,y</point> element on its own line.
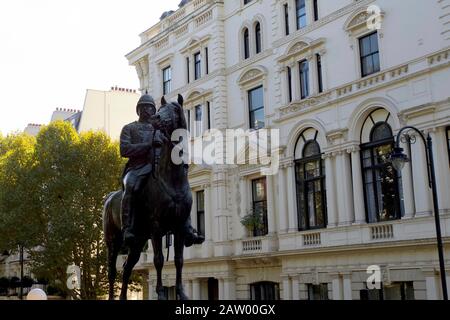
<point>252,222</point>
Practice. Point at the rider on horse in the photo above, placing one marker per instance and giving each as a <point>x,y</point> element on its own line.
<point>137,143</point>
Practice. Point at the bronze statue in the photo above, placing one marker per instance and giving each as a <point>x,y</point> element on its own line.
<point>156,199</point>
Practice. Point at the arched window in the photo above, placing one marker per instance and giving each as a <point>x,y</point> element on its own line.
<point>246,44</point>
<point>310,181</point>
<point>382,183</point>
<point>258,37</point>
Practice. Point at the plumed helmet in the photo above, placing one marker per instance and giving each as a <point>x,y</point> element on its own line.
<point>145,99</point>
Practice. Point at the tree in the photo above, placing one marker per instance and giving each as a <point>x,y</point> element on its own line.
<point>19,216</point>
<point>75,173</point>
<point>52,191</point>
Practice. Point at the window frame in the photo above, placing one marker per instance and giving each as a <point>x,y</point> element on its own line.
<point>364,73</point>
<point>286,19</point>
<point>265,229</point>
<point>447,130</point>
<point>197,65</point>
<point>263,286</point>
<point>252,111</point>
<point>258,38</point>
<point>246,42</point>
<point>299,4</point>
<point>289,79</point>
<point>373,168</point>
<point>167,83</point>
<point>304,79</point>
<point>319,72</point>
<point>304,182</point>
<point>200,213</point>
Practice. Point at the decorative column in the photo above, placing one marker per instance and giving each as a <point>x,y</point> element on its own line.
<point>441,166</point>
<point>208,214</point>
<point>313,76</point>
<point>188,287</point>
<point>336,285</point>
<point>282,201</point>
<point>347,286</point>
<point>295,288</point>
<point>431,283</point>
<point>196,289</point>
<point>422,190</point>
<point>287,289</point>
<point>408,187</point>
<point>345,202</point>
<point>244,205</point>
<point>292,17</point>
<point>358,189</point>
<point>295,73</point>
<point>330,190</point>
<point>270,205</point>
<point>150,286</point>
<point>309,12</point>
<point>229,288</point>
<point>291,195</point>
<point>221,289</point>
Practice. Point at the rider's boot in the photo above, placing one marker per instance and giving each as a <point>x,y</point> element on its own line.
<point>128,236</point>
<point>191,235</point>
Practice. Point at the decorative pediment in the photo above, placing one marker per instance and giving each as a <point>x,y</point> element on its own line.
<point>254,74</point>
<point>194,44</point>
<point>298,47</point>
<point>196,95</point>
<point>302,48</point>
<point>358,20</point>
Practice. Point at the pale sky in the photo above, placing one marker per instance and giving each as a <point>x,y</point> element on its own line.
<point>51,51</point>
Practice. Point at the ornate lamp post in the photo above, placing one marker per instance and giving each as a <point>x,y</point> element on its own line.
<point>398,159</point>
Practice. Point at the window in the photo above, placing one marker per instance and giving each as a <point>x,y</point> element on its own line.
<point>286,19</point>
<point>208,110</point>
<point>304,79</point>
<point>188,70</point>
<point>207,60</point>
<point>213,289</point>
<point>318,292</point>
<point>247,2</point>
<point>310,180</point>
<point>167,80</point>
<point>448,143</point>
<point>198,121</point>
<point>259,206</point>
<point>197,66</point>
<point>289,79</point>
<point>246,44</point>
<point>301,13</point>
<point>258,37</point>
<point>395,291</point>
<point>319,72</point>
<point>256,107</point>
<point>316,10</point>
<point>264,291</point>
<point>369,54</point>
<point>201,212</point>
<point>382,183</point>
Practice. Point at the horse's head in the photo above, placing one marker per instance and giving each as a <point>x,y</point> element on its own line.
<point>171,115</point>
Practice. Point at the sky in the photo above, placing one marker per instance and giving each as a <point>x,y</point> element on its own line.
<point>52,51</point>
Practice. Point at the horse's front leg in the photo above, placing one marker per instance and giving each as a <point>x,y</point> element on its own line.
<point>179,249</point>
<point>158,261</point>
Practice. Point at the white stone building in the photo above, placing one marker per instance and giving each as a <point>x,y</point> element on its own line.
<point>338,91</point>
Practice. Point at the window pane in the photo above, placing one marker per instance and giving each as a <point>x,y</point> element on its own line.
<point>257,119</point>
<point>376,62</point>
<point>200,201</point>
<point>312,148</point>
<point>374,42</point>
<point>259,190</point>
<point>256,98</point>
<point>258,37</point>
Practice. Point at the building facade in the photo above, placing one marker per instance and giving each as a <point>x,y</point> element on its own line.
<point>338,79</point>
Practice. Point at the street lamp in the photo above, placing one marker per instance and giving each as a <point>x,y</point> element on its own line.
<point>398,159</point>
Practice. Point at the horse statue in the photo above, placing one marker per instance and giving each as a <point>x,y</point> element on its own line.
<point>162,206</point>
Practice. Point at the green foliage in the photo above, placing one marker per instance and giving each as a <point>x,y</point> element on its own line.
<point>52,191</point>
<point>252,221</point>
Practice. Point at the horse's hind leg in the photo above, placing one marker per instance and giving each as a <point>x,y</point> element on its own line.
<point>179,250</point>
<point>113,251</point>
<point>134,253</point>
<point>158,261</point>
